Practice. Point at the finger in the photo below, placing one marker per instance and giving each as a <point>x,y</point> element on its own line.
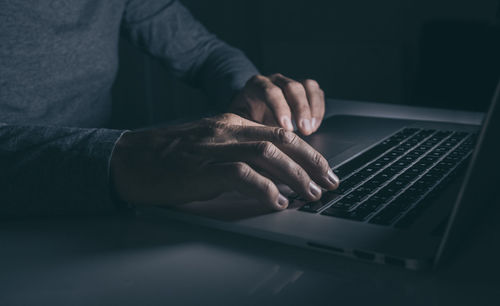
<point>273,96</point>
<point>316,98</point>
<point>241,177</point>
<point>297,149</point>
<point>266,156</point>
<point>296,97</point>
<point>269,119</point>
<point>231,119</point>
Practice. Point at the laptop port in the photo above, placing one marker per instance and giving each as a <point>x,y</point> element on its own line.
<point>325,247</point>
<point>395,261</point>
<point>364,255</point>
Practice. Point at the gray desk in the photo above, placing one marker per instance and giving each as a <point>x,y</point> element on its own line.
<point>134,261</point>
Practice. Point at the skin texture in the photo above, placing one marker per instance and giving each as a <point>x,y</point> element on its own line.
<point>276,99</point>
<point>201,160</point>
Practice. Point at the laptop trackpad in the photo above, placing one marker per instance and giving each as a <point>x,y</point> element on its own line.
<point>329,145</point>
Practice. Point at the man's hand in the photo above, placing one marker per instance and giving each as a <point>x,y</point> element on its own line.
<point>201,160</point>
<point>273,100</point>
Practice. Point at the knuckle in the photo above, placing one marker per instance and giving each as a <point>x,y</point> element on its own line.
<point>241,170</point>
<point>319,161</point>
<point>283,136</point>
<point>269,189</point>
<point>311,84</point>
<point>209,128</point>
<point>294,87</point>
<point>228,118</point>
<point>219,128</point>
<point>273,92</point>
<point>266,149</point>
<point>256,78</point>
<point>218,132</point>
<point>297,172</point>
<point>300,176</point>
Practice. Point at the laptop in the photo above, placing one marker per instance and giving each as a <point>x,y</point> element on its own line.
<point>409,190</point>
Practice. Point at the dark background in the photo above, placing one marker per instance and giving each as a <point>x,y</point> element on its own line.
<point>440,53</point>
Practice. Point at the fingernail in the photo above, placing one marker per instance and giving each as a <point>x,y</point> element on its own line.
<point>306,125</point>
<point>314,189</point>
<point>314,123</point>
<point>287,123</point>
<point>282,201</point>
<point>333,178</point>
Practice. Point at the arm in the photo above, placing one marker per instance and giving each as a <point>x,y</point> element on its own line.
<point>200,160</point>
<point>166,30</point>
<point>55,170</point>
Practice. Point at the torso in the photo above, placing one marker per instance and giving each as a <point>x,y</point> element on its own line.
<point>58,61</point>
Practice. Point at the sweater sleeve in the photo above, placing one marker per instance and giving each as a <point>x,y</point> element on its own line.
<point>167,30</point>
<point>49,170</point>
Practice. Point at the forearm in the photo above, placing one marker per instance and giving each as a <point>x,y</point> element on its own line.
<point>169,32</point>
<point>225,72</point>
<point>55,170</point>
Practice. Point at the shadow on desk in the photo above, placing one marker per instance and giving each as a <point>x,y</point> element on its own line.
<point>137,261</point>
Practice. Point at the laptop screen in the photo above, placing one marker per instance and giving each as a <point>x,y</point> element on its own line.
<point>480,185</point>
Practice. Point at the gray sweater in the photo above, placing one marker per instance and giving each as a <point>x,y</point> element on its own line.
<point>58,60</point>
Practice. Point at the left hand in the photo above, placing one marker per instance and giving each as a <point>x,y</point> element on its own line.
<point>274,99</point>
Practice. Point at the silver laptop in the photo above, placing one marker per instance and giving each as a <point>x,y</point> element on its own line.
<point>408,190</point>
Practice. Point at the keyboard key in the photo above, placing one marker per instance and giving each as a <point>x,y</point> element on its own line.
<point>400,204</point>
<point>340,210</point>
<point>312,206</point>
<point>390,172</point>
<point>409,196</point>
<point>349,183</point>
<point>366,188</point>
<point>372,184</point>
<point>342,205</point>
<point>420,204</point>
<point>393,154</point>
<point>401,149</point>
<point>359,193</point>
<point>421,186</point>
<point>423,149</point>
<point>407,177</point>
<point>389,191</point>
<point>364,158</point>
<point>359,214</point>
<point>366,172</point>
<point>353,198</point>
<point>415,154</point>
<point>416,170</point>
<point>398,184</point>
<point>380,198</point>
<point>373,203</point>
<point>315,206</point>
<point>404,195</point>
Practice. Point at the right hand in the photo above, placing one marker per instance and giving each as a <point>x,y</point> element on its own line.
<point>201,160</point>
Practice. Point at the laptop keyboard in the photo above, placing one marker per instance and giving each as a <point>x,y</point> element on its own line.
<point>393,182</point>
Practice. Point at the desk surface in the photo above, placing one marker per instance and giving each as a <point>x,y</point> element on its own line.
<point>134,261</point>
